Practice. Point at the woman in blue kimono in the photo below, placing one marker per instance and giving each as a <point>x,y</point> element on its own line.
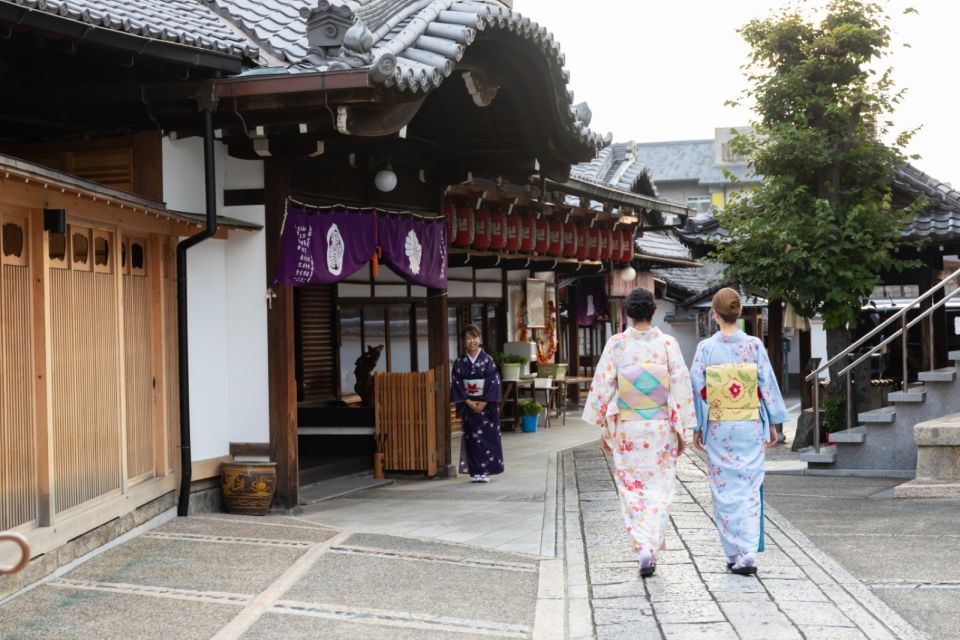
<point>738,402</point>
<point>475,389</point>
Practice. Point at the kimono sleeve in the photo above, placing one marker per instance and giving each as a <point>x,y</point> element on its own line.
<point>698,385</point>
<point>491,387</point>
<point>681,391</point>
<point>769,389</point>
<point>603,389</point>
<point>458,393</point>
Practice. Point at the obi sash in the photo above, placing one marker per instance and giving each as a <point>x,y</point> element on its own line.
<point>732,392</point>
<point>643,392</point>
<point>474,387</point>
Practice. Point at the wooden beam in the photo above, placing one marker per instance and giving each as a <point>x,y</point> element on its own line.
<point>281,346</point>
<point>775,338</point>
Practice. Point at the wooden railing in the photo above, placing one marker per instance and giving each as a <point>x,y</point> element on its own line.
<point>406,412</point>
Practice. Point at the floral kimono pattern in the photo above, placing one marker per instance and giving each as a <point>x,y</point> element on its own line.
<point>481,452</point>
<point>737,398</point>
<point>641,390</point>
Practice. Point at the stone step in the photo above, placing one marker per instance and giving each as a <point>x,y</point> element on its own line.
<point>856,435</point>
<point>955,356</point>
<point>947,374</point>
<point>907,396</point>
<point>827,455</point>
<point>886,415</point>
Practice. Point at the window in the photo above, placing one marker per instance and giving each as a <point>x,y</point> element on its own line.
<point>700,204</point>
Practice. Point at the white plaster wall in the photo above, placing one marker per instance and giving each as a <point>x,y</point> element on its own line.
<point>226,306</point>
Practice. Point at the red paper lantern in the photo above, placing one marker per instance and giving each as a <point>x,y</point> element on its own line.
<point>451,212</point>
<point>498,231</point>
<point>540,239</point>
<point>463,235</point>
<point>555,238</point>
<point>583,242</point>
<point>626,246</point>
<point>606,240</point>
<point>593,243</point>
<point>481,229</point>
<point>512,233</point>
<point>569,240</point>
<point>528,228</point>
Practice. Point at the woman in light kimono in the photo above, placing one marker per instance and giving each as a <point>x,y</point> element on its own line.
<point>475,389</point>
<point>641,398</point>
<point>738,403</point>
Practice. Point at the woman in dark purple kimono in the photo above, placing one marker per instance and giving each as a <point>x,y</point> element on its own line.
<point>475,389</point>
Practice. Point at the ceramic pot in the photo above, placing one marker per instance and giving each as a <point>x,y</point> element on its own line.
<point>248,487</point>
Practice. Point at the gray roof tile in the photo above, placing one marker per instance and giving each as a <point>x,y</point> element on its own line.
<point>661,245</point>
<point>403,55</point>
<point>185,22</point>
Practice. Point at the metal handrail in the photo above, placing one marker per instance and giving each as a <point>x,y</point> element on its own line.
<point>901,315</point>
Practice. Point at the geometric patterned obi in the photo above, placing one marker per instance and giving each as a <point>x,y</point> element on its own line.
<point>643,392</point>
<point>732,392</point>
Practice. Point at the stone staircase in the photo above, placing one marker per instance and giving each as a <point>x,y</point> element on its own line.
<point>882,444</point>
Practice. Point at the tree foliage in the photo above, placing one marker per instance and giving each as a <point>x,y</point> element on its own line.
<point>822,226</point>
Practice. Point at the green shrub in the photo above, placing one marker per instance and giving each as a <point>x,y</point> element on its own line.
<point>834,413</point>
<point>530,408</point>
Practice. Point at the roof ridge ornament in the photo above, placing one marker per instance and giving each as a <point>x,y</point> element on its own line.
<point>329,23</point>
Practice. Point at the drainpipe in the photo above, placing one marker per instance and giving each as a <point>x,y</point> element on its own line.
<point>210,183</point>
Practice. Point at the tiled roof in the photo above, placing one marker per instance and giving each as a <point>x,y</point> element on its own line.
<point>617,166</point>
<point>184,22</point>
<point>661,245</point>
<point>692,280</point>
<point>409,45</point>
<point>938,222</point>
<point>687,160</point>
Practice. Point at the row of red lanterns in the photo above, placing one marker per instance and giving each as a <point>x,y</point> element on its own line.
<point>485,230</point>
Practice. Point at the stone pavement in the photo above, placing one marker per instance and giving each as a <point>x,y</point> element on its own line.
<point>540,553</point>
<point>799,591</point>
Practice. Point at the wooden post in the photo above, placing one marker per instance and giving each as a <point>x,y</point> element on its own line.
<point>775,338</point>
<point>437,349</point>
<point>281,350</point>
<point>806,392</point>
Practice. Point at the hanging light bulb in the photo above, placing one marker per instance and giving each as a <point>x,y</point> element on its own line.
<point>386,179</point>
<point>628,274</point>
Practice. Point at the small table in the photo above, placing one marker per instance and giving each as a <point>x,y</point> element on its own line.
<point>511,397</point>
<point>574,380</point>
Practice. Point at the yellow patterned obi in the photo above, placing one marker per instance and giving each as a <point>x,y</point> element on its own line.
<point>732,392</point>
<point>643,392</point>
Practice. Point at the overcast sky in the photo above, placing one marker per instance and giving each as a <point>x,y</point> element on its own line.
<point>655,71</point>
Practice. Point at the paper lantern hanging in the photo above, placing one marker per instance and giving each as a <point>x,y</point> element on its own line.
<point>555,238</point>
<point>451,212</point>
<point>481,229</point>
<point>528,228</point>
<point>583,242</point>
<point>606,240</point>
<point>569,240</point>
<point>626,246</point>
<point>540,239</point>
<point>512,233</point>
<point>498,232</point>
<point>593,243</point>
<point>463,235</point>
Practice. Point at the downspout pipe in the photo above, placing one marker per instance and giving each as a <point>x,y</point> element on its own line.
<point>210,184</point>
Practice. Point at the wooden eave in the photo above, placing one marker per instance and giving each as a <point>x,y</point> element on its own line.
<point>30,174</point>
<point>587,189</point>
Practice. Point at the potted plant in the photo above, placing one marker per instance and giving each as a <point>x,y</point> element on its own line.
<point>834,416</point>
<point>248,486</point>
<point>510,364</point>
<point>529,415</point>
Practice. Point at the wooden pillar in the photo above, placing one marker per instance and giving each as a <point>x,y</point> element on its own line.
<point>775,338</point>
<point>281,350</point>
<point>440,359</point>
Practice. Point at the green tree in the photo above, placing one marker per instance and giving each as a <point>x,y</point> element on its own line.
<point>821,227</point>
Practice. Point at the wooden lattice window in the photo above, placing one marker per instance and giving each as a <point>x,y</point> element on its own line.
<point>136,257</point>
<point>14,241</point>
<point>102,251</point>
<point>81,258</point>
